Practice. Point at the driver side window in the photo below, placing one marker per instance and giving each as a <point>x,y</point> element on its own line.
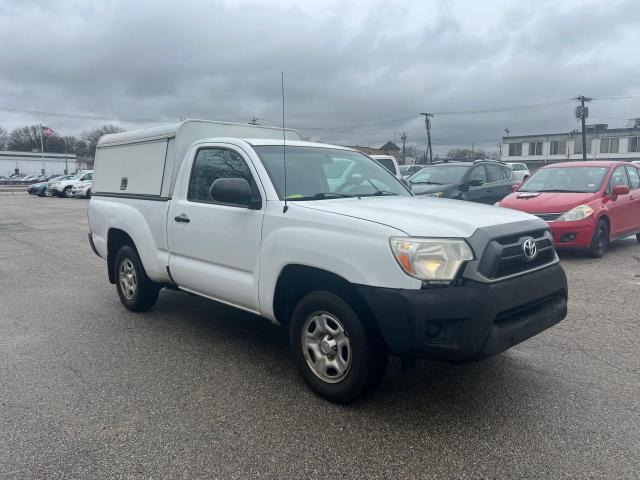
<point>478,173</point>
<point>211,164</point>
<point>619,177</point>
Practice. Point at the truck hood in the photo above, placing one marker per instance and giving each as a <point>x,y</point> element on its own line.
<point>546,202</point>
<point>422,216</point>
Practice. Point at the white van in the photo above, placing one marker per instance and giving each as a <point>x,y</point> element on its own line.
<point>322,239</point>
<point>389,162</point>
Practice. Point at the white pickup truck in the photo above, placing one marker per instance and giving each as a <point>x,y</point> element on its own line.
<point>341,252</point>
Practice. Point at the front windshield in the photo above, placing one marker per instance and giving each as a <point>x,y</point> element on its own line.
<point>439,175</point>
<point>565,179</point>
<point>315,173</point>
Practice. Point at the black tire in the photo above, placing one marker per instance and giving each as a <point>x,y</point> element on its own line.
<point>88,193</point>
<point>638,237</point>
<point>47,193</point>
<point>144,294</point>
<point>600,240</point>
<point>368,356</point>
<point>67,192</point>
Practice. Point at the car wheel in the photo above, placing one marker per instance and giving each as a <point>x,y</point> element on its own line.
<point>67,192</point>
<point>47,193</point>
<point>638,236</point>
<point>600,240</point>
<point>136,291</point>
<point>89,193</point>
<point>334,353</point>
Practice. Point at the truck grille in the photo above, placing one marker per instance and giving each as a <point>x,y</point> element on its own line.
<point>548,217</point>
<point>505,256</point>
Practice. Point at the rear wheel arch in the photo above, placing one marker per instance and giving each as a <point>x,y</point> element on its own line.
<point>116,239</point>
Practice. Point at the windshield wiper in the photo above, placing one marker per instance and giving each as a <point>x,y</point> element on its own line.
<point>378,193</point>
<point>321,196</point>
<point>556,190</point>
<point>426,183</point>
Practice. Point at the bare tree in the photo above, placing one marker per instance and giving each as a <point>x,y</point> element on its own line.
<point>466,154</point>
<point>4,139</point>
<point>91,137</point>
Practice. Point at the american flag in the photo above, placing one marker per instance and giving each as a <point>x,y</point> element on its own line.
<point>48,132</point>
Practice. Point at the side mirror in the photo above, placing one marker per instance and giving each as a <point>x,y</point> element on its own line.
<point>619,190</point>
<point>475,182</point>
<point>516,186</point>
<point>233,191</point>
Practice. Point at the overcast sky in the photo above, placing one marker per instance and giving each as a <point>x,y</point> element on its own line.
<point>355,71</point>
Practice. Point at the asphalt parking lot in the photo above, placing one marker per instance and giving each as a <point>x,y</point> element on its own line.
<point>194,389</point>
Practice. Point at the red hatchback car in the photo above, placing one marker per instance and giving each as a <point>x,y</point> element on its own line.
<point>586,204</point>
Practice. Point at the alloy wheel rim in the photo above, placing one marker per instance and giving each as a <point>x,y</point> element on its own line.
<point>127,278</point>
<point>326,347</point>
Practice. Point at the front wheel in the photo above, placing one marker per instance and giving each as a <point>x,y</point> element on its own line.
<point>600,240</point>
<point>88,195</point>
<point>67,192</point>
<point>137,292</point>
<point>335,355</point>
<point>47,193</point>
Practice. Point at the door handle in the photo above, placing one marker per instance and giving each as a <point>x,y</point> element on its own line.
<point>182,218</point>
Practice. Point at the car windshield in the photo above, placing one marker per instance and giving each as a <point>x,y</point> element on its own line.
<point>439,175</point>
<point>315,173</point>
<point>565,179</point>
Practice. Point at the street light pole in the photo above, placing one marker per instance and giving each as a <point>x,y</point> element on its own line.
<point>427,124</point>
<point>582,113</point>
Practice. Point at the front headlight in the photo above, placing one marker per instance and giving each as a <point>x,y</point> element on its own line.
<point>579,213</point>
<point>431,259</point>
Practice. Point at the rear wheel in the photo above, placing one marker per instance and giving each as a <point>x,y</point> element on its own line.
<point>600,240</point>
<point>337,357</point>
<point>136,291</point>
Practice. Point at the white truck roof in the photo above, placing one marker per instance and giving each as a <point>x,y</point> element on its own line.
<point>146,162</point>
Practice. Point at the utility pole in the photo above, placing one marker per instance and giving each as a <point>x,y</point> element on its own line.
<point>66,166</point>
<point>403,137</point>
<point>582,113</point>
<point>427,124</point>
<point>42,148</point>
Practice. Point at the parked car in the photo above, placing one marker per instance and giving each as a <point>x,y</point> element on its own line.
<point>407,170</point>
<point>42,189</point>
<point>586,204</point>
<point>82,189</point>
<point>520,170</point>
<point>483,181</point>
<point>3,179</point>
<point>356,270</point>
<point>389,162</point>
<point>62,188</point>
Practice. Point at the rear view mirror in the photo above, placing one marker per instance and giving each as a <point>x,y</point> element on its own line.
<point>515,187</point>
<point>475,182</point>
<point>233,191</point>
<point>619,190</point>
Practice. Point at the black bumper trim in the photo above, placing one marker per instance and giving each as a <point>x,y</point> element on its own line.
<point>471,321</point>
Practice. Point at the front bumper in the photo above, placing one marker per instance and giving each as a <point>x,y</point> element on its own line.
<point>577,234</point>
<point>471,321</point>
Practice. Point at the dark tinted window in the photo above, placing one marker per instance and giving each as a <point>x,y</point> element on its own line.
<point>211,164</point>
<point>388,164</point>
<point>506,171</point>
<point>494,172</point>
<point>439,175</point>
<point>478,172</point>
<point>634,177</point>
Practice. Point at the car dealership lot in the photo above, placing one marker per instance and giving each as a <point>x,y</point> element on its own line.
<point>195,389</point>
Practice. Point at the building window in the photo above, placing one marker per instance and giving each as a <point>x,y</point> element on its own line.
<point>577,146</point>
<point>609,145</point>
<point>634,144</point>
<point>558,147</point>
<point>535,148</point>
<point>515,149</point>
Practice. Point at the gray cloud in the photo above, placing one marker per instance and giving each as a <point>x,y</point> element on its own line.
<point>345,65</point>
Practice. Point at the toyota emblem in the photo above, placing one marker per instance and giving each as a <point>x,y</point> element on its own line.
<point>529,248</point>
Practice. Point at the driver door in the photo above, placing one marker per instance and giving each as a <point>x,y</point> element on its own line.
<point>215,248</point>
<point>481,193</point>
